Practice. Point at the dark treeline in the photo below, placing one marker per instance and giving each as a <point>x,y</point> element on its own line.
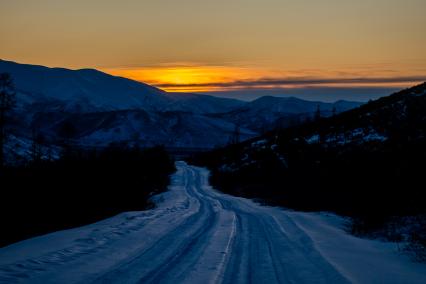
<point>371,183</point>
<point>79,188</point>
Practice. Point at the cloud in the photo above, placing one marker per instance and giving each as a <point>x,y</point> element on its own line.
<point>300,82</point>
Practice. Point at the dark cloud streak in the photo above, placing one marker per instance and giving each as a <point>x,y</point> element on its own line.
<point>300,81</point>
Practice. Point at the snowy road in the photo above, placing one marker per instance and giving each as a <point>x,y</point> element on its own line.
<point>197,235</point>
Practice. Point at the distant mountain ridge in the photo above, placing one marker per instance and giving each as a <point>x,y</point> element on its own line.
<point>267,113</point>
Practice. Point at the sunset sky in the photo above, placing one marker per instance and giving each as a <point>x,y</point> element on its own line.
<point>224,45</point>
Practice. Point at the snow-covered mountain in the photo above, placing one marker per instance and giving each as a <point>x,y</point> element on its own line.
<point>103,109</point>
<point>172,129</point>
<point>85,89</point>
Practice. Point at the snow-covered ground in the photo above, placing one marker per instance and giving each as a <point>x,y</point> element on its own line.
<point>198,235</point>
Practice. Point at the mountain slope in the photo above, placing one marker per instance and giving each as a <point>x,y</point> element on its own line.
<point>171,129</point>
<point>399,117</point>
<point>86,87</point>
<point>367,163</point>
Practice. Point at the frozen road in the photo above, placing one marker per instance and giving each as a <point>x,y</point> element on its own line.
<point>198,235</point>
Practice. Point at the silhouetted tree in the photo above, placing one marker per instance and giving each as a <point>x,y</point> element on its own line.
<point>135,139</point>
<point>7,103</point>
<point>318,113</point>
<point>37,145</point>
<point>67,132</point>
<point>235,137</point>
<point>334,111</point>
<point>293,121</point>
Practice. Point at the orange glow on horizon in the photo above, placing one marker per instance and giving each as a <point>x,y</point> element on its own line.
<point>180,78</point>
<point>194,78</point>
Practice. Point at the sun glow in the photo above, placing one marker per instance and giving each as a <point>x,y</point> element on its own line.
<point>186,78</point>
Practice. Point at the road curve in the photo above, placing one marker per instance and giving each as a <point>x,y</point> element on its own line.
<point>198,235</point>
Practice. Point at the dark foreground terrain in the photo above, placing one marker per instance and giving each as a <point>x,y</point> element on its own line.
<point>80,188</point>
<point>198,235</point>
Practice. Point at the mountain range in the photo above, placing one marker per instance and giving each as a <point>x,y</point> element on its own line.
<point>99,109</point>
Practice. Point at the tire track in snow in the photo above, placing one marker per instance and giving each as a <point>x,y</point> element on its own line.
<point>259,232</point>
<point>174,257</point>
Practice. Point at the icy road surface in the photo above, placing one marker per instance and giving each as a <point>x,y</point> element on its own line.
<point>198,235</point>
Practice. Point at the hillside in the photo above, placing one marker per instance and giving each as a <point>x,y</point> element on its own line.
<point>366,163</point>
<point>267,113</point>
<point>171,129</point>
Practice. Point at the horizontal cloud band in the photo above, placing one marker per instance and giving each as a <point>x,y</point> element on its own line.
<point>300,81</point>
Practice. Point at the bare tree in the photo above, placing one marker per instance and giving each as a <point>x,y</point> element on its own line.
<point>7,103</point>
